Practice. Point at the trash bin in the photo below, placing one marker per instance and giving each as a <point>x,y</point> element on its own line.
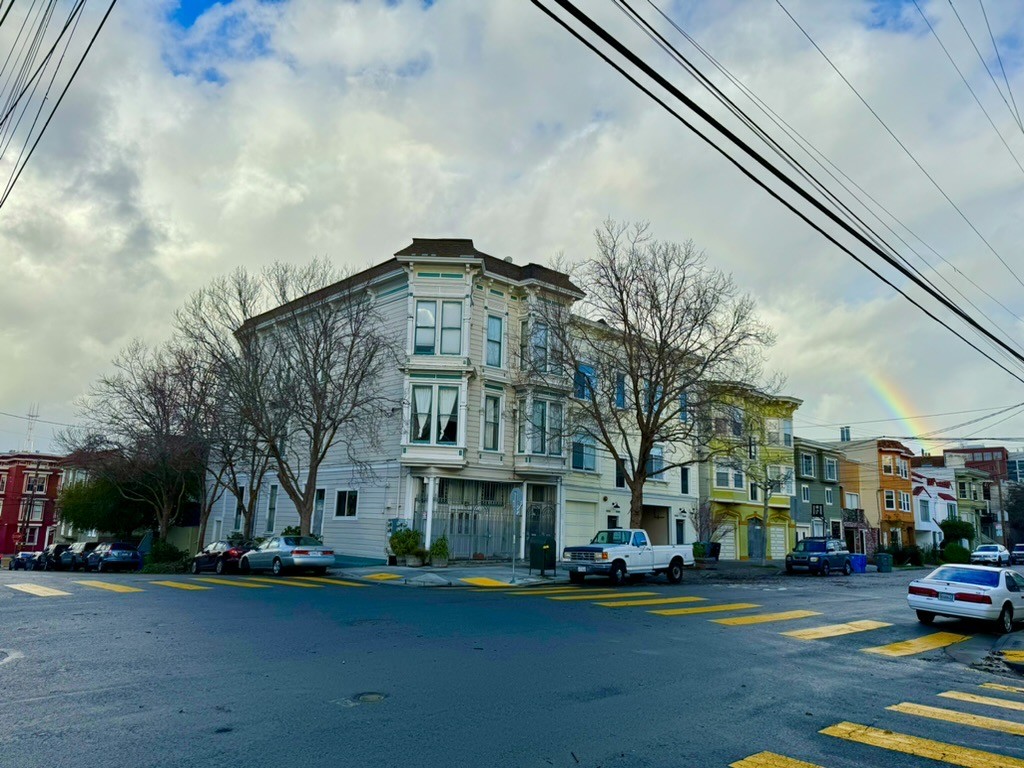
<point>714,549</point>
<point>884,562</point>
<point>859,563</point>
<point>542,553</point>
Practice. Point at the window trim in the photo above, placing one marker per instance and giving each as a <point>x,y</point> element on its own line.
<point>886,496</point>
<point>804,472</point>
<point>833,465</point>
<point>484,424</point>
<point>500,341</point>
<point>434,414</point>
<point>829,498</point>
<point>346,491</point>
<point>585,441</point>
<point>438,328</point>
<point>659,475</point>
<point>271,508</point>
<point>805,494</point>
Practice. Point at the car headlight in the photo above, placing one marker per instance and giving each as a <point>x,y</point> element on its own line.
<point>565,555</point>
<point>814,559</point>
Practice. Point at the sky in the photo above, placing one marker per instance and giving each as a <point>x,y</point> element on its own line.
<point>202,136</point>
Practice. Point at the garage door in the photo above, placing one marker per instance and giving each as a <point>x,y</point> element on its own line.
<point>580,522</point>
<point>727,538</point>
<point>778,542</point>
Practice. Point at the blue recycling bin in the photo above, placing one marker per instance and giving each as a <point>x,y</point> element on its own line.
<point>859,563</point>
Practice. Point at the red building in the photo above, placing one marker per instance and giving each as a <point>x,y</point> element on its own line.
<point>29,483</point>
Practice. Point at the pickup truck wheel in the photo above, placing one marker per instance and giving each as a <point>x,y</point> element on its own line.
<point>675,571</point>
<point>575,578</point>
<point>825,568</point>
<point>617,576</point>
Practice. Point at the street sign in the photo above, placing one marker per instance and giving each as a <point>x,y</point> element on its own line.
<point>515,498</point>
<point>16,538</point>
<point>817,510</point>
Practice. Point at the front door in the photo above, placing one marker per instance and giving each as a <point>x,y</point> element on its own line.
<point>680,531</point>
<point>755,538</point>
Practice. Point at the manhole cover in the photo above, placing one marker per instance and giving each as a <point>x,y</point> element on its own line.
<point>369,698</point>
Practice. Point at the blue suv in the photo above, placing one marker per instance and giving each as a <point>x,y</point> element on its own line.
<point>114,556</point>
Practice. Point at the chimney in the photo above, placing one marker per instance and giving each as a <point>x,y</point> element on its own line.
<point>844,434</point>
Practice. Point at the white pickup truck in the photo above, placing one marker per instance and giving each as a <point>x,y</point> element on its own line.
<point>619,553</point>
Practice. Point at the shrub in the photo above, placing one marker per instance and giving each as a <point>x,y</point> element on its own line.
<point>914,555</point>
<point>954,530</point>
<point>955,553</point>
<point>294,530</point>
<point>163,552</point>
<point>175,567</point>
<point>439,549</point>
<point>404,541</point>
<point>421,553</point>
<point>698,550</point>
<point>932,556</point>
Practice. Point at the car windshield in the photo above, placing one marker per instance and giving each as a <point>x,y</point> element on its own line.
<point>300,541</point>
<point>1018,547</point>
<point>978,578</point>
<point>809,546</point>
<point>611,537</point>
<point>987,548</point>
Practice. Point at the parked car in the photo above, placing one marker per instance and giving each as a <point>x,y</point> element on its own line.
<point>991,554</point>
<point>619,553</point>
<point>49,558</point>
<point>1017,555</point>
<point>220,556</point>
<point>114,556</point>
<point>280,553</point>
<point>75,556</point>
<point>969,592</point>
<point>23,561</point>
<point>820,554</point>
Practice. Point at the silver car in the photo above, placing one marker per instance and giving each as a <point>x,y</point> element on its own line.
<point>991,554</point>
<point>280,553</point>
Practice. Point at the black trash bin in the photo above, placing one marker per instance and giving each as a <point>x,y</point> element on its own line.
<point>714,549</point>
<point>542,553</point>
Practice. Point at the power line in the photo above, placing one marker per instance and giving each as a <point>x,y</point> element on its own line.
<point>904,418</point>
<point>999,57</point>
<point>41,421</point>
<point>732,137</point>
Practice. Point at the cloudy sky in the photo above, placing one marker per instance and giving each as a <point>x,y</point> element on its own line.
<point>200,136</point>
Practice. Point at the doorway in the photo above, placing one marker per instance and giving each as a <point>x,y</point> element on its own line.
<point>755,538</point>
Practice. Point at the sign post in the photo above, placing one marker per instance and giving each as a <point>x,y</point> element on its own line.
<point>515,498</point>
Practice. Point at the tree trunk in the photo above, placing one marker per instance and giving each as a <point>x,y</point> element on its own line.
<point>305,519</point>
<point>636,504</point>
<point>767,531</point>
<point>202,527</point>
<point>164,516</point>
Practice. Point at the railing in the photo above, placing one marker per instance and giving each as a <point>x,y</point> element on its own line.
<point>471,530</point>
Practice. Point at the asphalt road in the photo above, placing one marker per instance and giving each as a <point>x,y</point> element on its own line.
<point>272,676</point>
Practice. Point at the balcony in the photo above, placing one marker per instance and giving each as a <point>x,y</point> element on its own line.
<point>419,455</point>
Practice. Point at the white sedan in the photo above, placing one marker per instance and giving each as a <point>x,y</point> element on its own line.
<point>991,554</point>
<point>969,592</point>
<point>280,553</point>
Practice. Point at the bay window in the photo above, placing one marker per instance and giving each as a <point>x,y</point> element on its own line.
<point>545,423</point>
<point>431,325</point>
<point>434,416</point>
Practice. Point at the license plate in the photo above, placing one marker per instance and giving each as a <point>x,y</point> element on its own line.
<point>581,569</point>
<point>946,596</point>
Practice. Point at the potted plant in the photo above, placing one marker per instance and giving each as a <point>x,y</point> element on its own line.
<point>439,552</point>
<point>417,557</point>
<point>402,543</point>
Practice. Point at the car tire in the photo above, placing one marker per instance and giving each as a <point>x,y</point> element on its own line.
<point>925,617</point>
<point>320,570</point>
<point>847,568</point>
<point>1004,624</point>
<point>219,567</point>
<point>675,571</point>
<point>789,569</point>
<point>195,568</point>
<point>99,567</point>
<point>243,566</point>
<point>826,569</point>
<point>576,578</point>
<point>277,567</point>
<point>617,575</point>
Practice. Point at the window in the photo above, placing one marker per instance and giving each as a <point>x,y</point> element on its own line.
<point>829,498</point>
<point>346,503</point>
<point>962,490</point>
<point>3,483</point>
<point>583,382</point>
<point>620,475</point>
<point>535,348</point>
<point>781,479</point>
<point>890,499</point>
<point>805,493</point>
<point>903,467</point>
<point>495,340</point>
<point>807,464</point>
<point>639,539</point>
<point>787,432</point>
<point>721,476</point>
<point>434,416</point>
<point>656,463</point>
<point>32,536</point>
<point>492,422</point>
<point>620,390</point>
<point>988,456</point>
<point>904,501</point>
<point>318,510</point>
<point>546,428</point>
<point>751,448</point>
<point>729,422</point>
<point>272,508</point>
<point>737,479</point>
<point>853,501</point>
<point>886,464</point>
<point>429,326</point>
<point>32,510</point>
<point>684,409</point>
<point>951,511</point>
<point>35,484</point>
<point>613,522</point>
<point>755,490</point>
<point>239,507</point>
<point>926,513</point>
<point>584,453</point>
<point>831,469</point>
<point>684,480</point>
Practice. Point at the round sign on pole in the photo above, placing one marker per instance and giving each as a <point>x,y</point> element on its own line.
<point>515,498</point>
<point>16,538</point>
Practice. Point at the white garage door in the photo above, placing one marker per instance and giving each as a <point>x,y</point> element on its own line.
<point>580,522</point>
<point>727,538</point>
<point>778,542</point>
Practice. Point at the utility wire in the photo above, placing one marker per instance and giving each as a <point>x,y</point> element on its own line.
<point>902,146</point>
<point>719,127</point>
<point>6,13</point>
<point>40,421</point>
<point>902,418</point>
<point>999,58</point>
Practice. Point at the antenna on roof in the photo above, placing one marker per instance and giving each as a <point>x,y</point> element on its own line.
<point>33,416</point>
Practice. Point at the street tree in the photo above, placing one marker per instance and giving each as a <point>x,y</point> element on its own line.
<point>658,324</point>
<point>98,504</point>
<point>1015,510</point>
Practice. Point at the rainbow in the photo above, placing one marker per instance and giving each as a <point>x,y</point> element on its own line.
<point>898,404</point>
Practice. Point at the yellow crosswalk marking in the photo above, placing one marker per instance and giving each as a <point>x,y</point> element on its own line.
<point>602,596</point>
<point>963,718</point>
<point>246,584</point>
<point>336,582</point>
<point>382,576</point>
<point>109,586</point>
<point>763,618</point>
<point>987,700</point>
<point>1001,687</point>
<point>178,585</point>
<point>285,582</point>
<point>37,590</point>
<point>835,630</point>
<point>1017,656</point>
<point>913,745</point>
<point>481,581</point>
<point>918,644</point>
<point>706,609</point>
<point>771,760</point>
<point>654,601</point>
<point>539,591</point>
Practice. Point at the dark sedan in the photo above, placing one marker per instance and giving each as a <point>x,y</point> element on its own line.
<point>50,559</point>
<point>77,554</point>
<point>114,556</point>
<point>23,561</point>
<point>220,556</point>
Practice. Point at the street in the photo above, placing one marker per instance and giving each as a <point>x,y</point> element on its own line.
<point>186,671</point>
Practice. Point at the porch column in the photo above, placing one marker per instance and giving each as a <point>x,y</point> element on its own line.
<point>429,524</point>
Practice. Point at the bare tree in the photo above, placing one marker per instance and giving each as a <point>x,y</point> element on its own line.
<point>657,325</point>
<point>708,520</point>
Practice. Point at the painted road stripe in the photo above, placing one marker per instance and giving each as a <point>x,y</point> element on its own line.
<point>178,584</point>
<point>913,745</point>
<point>37,590</point>
<point>918,644</point>
<point>654,601</point>
<point>1017,656</point>
<point>233,583</point>
<point>285,582</point>
<point>108,586</point>
<point>381,576</point>
<point>706,609</point>
<point>541,591</point>
<point>835,630</point>
<point>963,718</point>
<point>1001,687</point>
<point>988,700</point>
<point>602,596</point>
<point>771,760</point>
<point>336,582</point>
<point>762,618</point>
<point>482,581</point>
